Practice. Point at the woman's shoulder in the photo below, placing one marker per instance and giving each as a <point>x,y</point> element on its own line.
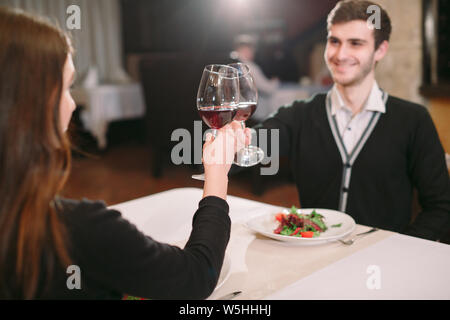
<point>71,205</point>
<point>91,221</point>
<point>84,210</point>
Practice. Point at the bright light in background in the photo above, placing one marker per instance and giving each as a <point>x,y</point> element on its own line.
<point>240,4</point>
<point>238,10</point>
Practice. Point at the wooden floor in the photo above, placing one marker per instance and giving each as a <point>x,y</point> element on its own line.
<point>123,172</point>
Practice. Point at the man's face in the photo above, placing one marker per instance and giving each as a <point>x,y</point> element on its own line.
<point>350,52</point>
<point>247,53</point>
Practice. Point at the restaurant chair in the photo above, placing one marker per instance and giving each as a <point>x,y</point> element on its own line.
<point>169,83</point>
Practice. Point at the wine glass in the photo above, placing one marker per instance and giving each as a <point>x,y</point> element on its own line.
<point>217,98</point>
<point>248,100</point>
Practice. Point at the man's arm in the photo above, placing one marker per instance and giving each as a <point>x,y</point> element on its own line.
<point>429,172</point>
<point>281,126</point>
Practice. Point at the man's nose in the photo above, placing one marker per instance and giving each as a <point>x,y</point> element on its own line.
<point>341,52</point>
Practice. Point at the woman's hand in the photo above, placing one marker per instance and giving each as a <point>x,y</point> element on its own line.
<point>218,155</point>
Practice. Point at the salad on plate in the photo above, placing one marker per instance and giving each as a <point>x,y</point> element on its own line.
<point>301,225</point>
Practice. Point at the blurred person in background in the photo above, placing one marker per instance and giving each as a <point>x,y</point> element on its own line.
<point>244,51</point>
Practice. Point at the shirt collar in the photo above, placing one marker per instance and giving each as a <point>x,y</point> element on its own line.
<point>373,103</point>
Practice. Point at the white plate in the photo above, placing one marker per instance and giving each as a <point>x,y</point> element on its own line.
<point>225,272</point>
<point>265,224</point>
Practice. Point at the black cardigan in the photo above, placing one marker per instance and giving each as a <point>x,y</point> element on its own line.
<point>402,152</point>
<point>116,259</point>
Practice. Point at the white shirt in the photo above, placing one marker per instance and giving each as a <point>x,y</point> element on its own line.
<point>352,127</point>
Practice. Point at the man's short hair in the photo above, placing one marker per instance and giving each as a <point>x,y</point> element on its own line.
<point>349,10</point>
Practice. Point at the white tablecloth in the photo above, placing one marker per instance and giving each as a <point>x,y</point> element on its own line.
<point>106,103</point>
<point>398,267</point>
<point>408,268</point>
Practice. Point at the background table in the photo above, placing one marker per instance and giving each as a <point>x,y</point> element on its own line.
<point>106,103</point>
<point>286,94</point>
<point>408,268</point>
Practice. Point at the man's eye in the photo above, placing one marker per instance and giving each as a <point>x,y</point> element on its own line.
<point>356,43</point>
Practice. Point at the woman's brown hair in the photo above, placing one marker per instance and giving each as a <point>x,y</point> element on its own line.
<point>34,152</point>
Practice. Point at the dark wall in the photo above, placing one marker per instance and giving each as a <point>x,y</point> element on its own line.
<point>174,25</point>
<point>209,26</point>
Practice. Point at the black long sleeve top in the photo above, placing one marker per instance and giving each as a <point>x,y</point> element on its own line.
<point>116,259</point>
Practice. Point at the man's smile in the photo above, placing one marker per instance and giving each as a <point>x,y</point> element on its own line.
<point>342,67</point>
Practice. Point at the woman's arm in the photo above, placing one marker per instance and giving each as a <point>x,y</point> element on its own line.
<point>218,155</point>
<point>114,255</point>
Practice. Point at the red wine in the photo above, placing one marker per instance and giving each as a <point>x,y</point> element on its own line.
<point>245,111</point>
<point>217,117</point>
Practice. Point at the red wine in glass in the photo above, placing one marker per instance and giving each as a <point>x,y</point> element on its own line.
<point>217,116</point>
<point>248,99</point>
<point>217,97</point>
<point>245,111</point>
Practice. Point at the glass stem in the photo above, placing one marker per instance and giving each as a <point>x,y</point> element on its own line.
<point>247,149</point>
<point>214,134</point>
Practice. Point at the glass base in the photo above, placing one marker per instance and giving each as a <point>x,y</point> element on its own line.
<point>200,177</point>
<point>249,156</point>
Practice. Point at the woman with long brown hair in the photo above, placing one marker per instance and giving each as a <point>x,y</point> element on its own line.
<point>42,234</point>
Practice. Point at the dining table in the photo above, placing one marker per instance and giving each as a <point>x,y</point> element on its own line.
<point>106,103</point>
<point>381,265</point>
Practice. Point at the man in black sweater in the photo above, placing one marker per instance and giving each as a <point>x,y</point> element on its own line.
<point>357,149</point>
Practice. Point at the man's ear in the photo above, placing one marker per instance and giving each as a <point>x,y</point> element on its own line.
<point>381,51</point>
